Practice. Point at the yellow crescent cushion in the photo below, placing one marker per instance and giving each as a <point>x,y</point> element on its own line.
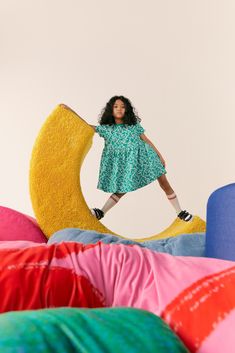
<point>58,153</point>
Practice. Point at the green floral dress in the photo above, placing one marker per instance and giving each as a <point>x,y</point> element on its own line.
<point>127,162</point>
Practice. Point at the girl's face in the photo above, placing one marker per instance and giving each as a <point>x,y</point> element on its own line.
<point>119,109</point>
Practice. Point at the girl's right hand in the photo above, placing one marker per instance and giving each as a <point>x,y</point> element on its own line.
<point>64,106</point>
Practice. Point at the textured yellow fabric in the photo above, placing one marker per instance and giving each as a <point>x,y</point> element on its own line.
<point>59,150</point>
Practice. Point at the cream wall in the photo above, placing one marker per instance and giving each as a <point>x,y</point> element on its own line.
<point>173,59</point>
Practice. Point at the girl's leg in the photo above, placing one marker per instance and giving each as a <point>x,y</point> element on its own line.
<point>164,184</point>
<point>112,200</point>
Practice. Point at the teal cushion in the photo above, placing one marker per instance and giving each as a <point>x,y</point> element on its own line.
<point>75,330</point>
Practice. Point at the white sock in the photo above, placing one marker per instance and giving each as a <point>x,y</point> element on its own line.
<point>175,203</point>
<point>112,200</point>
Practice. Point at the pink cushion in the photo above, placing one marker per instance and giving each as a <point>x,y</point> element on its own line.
<point>18,226</point>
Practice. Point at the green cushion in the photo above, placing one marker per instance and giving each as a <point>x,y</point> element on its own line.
<point>86,330</point>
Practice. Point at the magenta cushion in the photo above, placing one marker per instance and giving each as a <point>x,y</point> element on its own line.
<point>18,226</point>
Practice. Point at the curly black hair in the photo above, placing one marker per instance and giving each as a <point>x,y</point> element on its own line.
<point>130,117</point>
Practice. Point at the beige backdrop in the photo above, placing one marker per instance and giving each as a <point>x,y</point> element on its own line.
<point>173,59</point>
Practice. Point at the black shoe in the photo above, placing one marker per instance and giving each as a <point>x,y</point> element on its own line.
<point>180,215</point>
<point>97,213</point>
<point>185,216</point>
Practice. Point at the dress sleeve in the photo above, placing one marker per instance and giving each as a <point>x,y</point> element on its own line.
<point>139,129</point>
<point>102,130</point>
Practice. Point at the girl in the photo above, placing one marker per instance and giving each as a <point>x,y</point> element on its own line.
<point>129,159</point>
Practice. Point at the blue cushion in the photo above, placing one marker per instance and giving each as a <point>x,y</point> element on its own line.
<point>220,228</point>
<point>181,245</point>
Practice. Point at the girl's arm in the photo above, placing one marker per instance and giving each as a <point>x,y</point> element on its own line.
<point>93,127</point>
<point>66,107</point>
<point>145,139</point>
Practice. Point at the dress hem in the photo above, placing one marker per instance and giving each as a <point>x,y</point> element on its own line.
<point>135,188</point>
